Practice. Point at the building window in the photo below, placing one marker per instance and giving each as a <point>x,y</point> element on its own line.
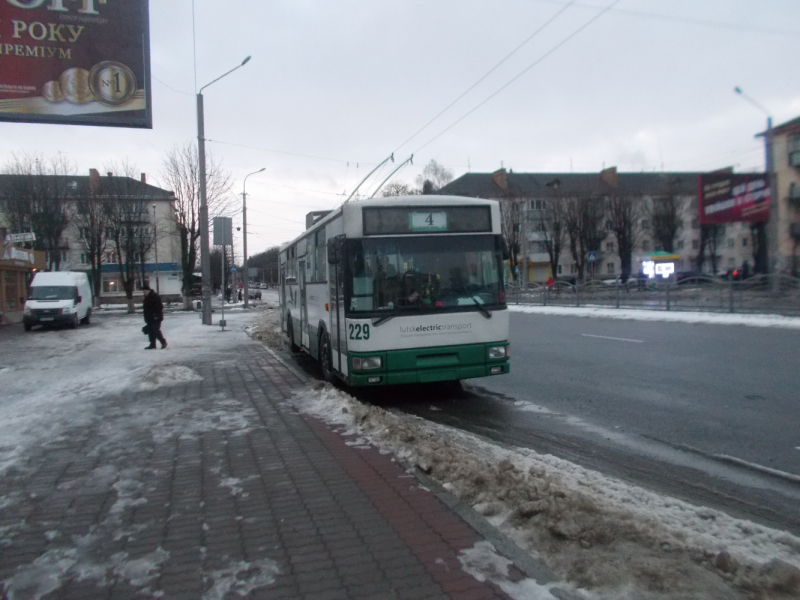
<point>744,242</point>
<point>680,245</point>
<point>84,258</point>
<point>610,267</point>
<point>111,258</point>
<point>538,204</point>
<point>695,244</point>
<point>560,269</point>
<point>609,246</point>
<point>695,223</point>
<point>646,245</point>
<point>609,225</point>
<point>731,243</point>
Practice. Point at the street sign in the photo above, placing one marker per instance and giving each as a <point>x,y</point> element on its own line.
<point>233,268</point>
<point>591,256</point>
<point>16,238</point>
<point>223,232</point>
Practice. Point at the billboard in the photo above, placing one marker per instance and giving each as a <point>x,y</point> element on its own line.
<point>75,62</point>
<point>727,198</point>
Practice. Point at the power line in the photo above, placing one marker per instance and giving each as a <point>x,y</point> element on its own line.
<point>489,72</point>
<point>312,156</point>
<point>523,72</point>
<point>689,20</point>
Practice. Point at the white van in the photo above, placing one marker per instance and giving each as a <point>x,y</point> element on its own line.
<point>58,298</point>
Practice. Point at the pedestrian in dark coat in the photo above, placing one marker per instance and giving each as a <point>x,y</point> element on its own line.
<point>153,315</point>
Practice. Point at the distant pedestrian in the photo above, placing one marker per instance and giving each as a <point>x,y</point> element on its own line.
<point>228,292</point>
<point>153,310</point>
<point>550,282</point>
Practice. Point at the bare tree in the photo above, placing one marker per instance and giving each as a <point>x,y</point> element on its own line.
<point>434,176</point>
<point>624,214</point>
<point>709,239</point>
<point>583,218</point>
<point>91,219</point>
<point>181,172</point>
<point>38,200</point>
<point>511,218</point>
<point>552,225</point>
<point>665,217</point>
<point>130,227</point>
<point>397,188</point>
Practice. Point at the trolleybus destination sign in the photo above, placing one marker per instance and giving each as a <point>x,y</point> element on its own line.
<point>79,62</point>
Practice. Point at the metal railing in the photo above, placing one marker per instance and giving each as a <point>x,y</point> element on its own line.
<point>758,294</point>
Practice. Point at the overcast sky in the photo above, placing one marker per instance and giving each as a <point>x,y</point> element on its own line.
<point>335,86</point>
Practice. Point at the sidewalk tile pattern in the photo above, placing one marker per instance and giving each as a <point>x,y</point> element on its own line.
<point>252,500</point>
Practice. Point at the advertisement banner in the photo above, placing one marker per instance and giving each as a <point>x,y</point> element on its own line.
<point>727,198</point>
<point>75,62</point>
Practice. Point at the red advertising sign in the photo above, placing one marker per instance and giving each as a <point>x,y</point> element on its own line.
<point>727,198</point>
<point>79,62</point>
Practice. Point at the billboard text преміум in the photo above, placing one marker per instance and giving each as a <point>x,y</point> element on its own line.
<point>727,198</point>
<point>78,62</point>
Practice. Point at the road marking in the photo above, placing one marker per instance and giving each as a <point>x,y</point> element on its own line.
<point>605,337</point>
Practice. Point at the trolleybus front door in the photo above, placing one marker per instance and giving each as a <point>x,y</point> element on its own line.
<point>301,280</point>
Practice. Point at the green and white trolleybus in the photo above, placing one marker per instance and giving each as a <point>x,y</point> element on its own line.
<point>406,289</point>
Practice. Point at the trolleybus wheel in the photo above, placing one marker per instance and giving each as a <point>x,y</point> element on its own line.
<point>290,327</point>
<point>325,358</point>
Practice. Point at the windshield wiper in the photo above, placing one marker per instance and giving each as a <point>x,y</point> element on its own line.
<point>383,319</point>
<point>482,310</point>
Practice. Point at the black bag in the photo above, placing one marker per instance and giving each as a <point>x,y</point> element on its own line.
<point>146,329</point>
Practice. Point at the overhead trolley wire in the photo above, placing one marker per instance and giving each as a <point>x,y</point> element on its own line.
<point>520,74</point>
<point>689,20</point>
<point>489,72</point>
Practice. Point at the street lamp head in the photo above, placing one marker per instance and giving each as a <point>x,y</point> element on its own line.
<point>738,90</point>
<point>261,169</point>
<point>244,62</point>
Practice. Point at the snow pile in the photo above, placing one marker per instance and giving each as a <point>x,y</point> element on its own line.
<point>268,327</point>
<point>484,564</point>
<point>600,534</point>
<point>168,375</point>
<point>661,315</point>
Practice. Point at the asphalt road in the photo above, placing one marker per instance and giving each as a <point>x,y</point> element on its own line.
<point>701,412</point>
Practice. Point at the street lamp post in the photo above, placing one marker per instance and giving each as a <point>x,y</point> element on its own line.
<point>772,223</point>
<point>244,238</point>
<point>205,256</point>
<point>155,243</point>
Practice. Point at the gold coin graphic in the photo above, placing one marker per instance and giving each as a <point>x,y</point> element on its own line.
<point>75,85</point>
<point>112,82</point>
<point>51,91</point>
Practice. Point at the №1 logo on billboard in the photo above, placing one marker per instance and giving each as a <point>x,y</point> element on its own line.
<point>80,62</point>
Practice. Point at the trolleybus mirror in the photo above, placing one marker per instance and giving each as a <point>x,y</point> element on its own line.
<point>333,251</point>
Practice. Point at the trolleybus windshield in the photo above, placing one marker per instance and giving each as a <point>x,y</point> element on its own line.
<point>424,273</point>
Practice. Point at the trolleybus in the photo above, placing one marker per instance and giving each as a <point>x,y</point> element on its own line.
<point>399,290</point>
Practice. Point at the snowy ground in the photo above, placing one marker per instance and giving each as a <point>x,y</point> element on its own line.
<point>631,314</point>
<point>58,390</point>
<point>50,379</point>
<point>610,539</point>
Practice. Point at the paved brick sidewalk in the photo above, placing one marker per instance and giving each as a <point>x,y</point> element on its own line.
<point>220,489</point>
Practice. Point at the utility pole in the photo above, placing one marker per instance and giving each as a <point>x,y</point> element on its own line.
<point>246,274</point>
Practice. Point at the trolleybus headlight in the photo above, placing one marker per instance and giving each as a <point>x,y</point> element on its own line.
<point>367,362</point>
<point>497,352</point>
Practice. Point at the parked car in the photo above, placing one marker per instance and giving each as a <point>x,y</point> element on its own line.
<point>254,294</point>
<point>693,277</point>
<point>60,298</point>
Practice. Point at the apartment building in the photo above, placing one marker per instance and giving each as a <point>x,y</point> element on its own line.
<point>158,263</point>
<point>734,242</point>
